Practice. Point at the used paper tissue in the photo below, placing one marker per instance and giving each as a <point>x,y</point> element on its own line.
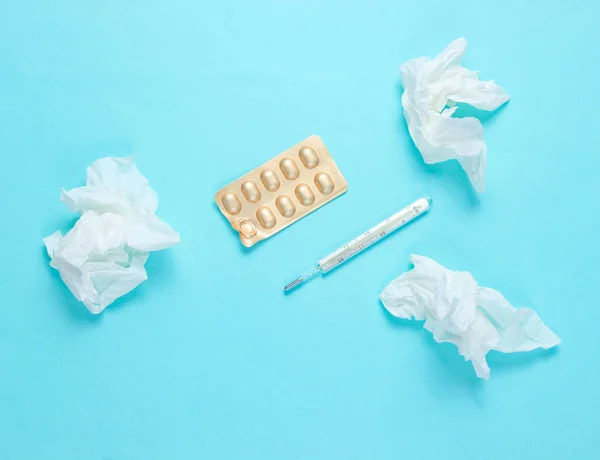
<point>432,87</point>
<point>456,310</point>
<point>102,257</point>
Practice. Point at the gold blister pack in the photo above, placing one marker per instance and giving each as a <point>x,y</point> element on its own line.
<point>281,191</point>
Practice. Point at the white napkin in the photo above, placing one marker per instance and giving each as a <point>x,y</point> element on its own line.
<point>102,257</point>
<point>476,319</point>
<point>432,87</point>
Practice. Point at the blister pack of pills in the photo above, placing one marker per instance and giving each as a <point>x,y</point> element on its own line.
<point>281,191</point>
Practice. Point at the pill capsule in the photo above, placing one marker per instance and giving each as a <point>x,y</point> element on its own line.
<point>289,169</point>
<point>285,206</point>
<point>231,202</point>
<point>251,191</point>
<point>266,217</point>
<point>247,228</point>
<point>324,183</point>
<point>309,157</point>
<point>269,180</point>
<point>305,194</point>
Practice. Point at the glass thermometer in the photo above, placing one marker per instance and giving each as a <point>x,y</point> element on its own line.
<point>362,242</point>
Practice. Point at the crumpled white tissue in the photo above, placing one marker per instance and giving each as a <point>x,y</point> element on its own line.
<point>476,319</point>
<point>102,257</point>
<point>432,87</point>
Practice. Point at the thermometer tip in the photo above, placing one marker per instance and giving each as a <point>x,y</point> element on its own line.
<point>288,287</point>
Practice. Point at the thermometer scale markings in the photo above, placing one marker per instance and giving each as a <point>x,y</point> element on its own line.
<point>371,236</point>
<point>363,241</point>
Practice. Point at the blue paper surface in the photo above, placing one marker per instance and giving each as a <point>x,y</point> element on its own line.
<point>208,359</point>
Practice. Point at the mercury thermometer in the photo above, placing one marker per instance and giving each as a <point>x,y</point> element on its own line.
<point>362,242</point>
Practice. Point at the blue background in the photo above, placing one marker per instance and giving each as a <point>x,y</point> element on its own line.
<point>208,359</point>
